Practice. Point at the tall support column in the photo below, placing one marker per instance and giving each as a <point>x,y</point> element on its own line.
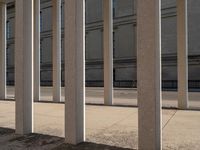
<point>36,50</point>
<point>108,51</point>
<point>149,74</point>
<point>24,66</point>
<point>182,48</point>
<point>56,50</point>
<point>2,50</point>
<point>74,71</point>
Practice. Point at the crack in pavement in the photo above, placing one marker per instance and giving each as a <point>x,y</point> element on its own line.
<point>169,119</point>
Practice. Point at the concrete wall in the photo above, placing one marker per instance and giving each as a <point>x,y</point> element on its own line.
<point>124,43</point>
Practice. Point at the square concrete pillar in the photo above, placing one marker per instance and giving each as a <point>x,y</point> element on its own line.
<point>149,74</point>
<point>24,66</point>
<point>182,51</point>
<point>74,71</point>
<point>108,51</point>
<point>36,50</point>
<point>2,50</point>
<point>56,22</point>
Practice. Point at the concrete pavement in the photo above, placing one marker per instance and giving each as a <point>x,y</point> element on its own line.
<point>114,126</point>
<point>122,96</point>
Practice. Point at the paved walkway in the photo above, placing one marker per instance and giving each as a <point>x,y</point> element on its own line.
<point>113,126</point>
<point>127,97</point>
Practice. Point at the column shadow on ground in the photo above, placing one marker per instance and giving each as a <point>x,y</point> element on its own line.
<point>10,140</point>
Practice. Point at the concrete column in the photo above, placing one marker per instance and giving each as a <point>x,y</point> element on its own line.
<point>149,74</point>
<point>36,50</point>
<point>24,66</point>
<point>108,51</point>
<point>56,50</point>
<point>74,71</point>
<point>2,50</point>
<point>182,51</point>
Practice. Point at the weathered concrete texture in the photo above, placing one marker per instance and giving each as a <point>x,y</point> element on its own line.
<point>108,51</point>
<point>36,50</point>
<point>182,53</point>
<point>3,49</point>
<point>44,142</point>
<point>182,132</point>
<point>24,66</point>
<point>116,126</point>
<point>74,71</point>
<point>56,22</point>
<point>149,74</point>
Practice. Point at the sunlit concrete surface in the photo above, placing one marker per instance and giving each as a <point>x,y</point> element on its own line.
<point>122,96</point>
<point>107,125</point>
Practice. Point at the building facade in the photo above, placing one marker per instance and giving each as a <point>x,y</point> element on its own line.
<point>124,40</point>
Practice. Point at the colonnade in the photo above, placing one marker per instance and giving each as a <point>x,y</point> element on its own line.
<point>27,64</point>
